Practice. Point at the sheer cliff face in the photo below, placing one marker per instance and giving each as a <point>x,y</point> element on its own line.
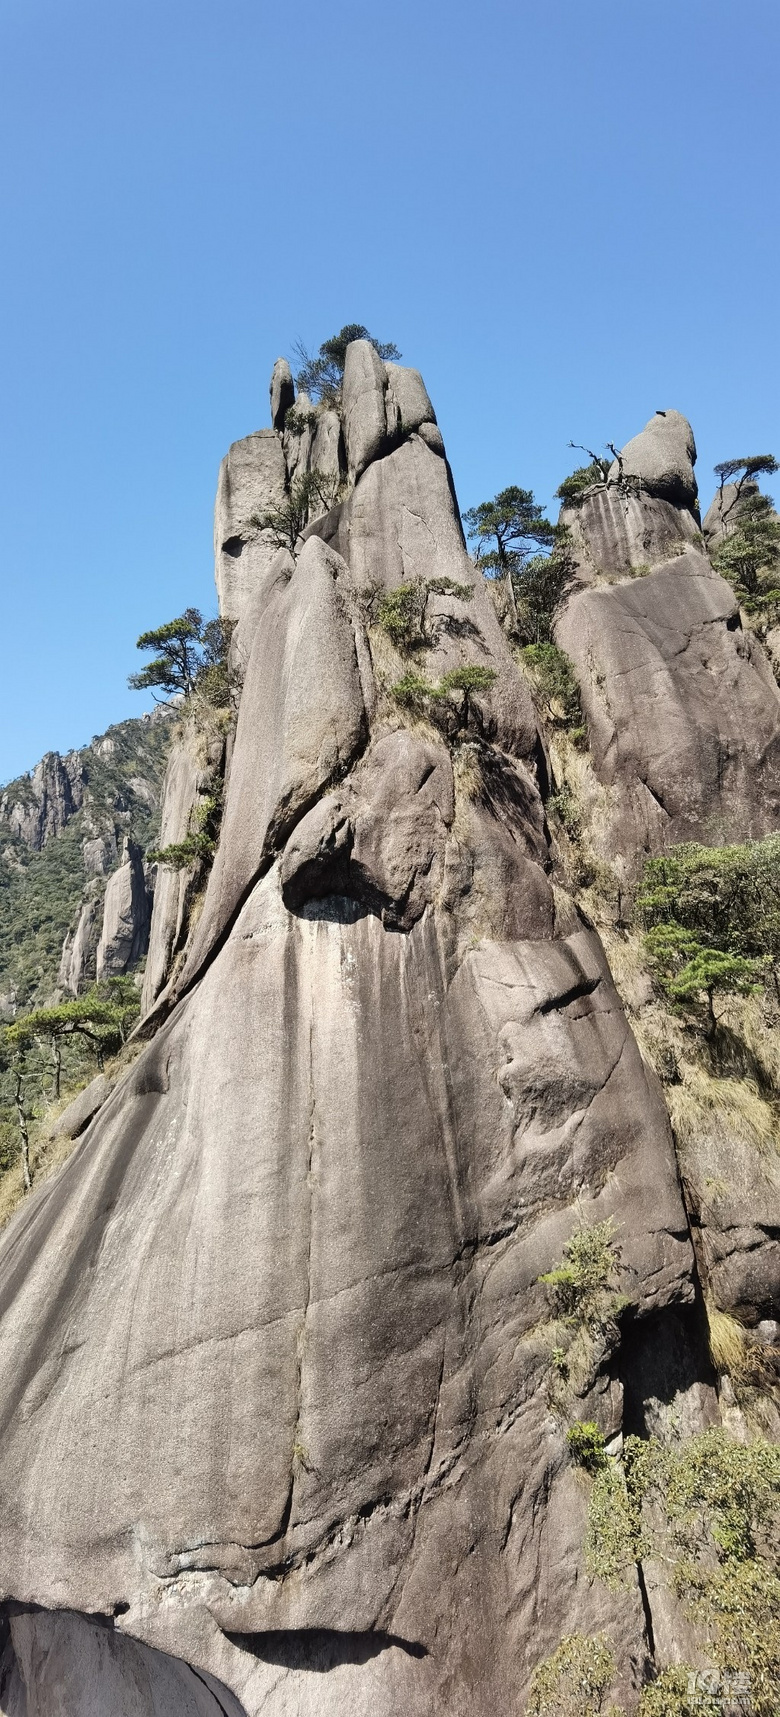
<point>682,707</point>
<point>274,1351</point>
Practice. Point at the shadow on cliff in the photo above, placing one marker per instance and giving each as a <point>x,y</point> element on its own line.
<point>321,1649</point>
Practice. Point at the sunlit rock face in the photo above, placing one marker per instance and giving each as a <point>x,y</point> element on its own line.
<point>274,1351</point>
<point>682,707</point>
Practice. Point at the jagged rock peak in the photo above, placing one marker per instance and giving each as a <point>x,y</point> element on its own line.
<point>282,391</point>
<point>37,807</point>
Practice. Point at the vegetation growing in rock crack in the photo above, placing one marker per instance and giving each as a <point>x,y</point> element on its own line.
<point>573,1681</point>
<point>448,701</point>
<point>579,481</point>
<point>321,376</point>
<point>533,560</point>
<point>516,543</point>
<point>201,841</point>
<point>708,1508</point>
<point>586,1445</point>
<point>191,652</point>
<point>312,493</point>
<point>402,612</point>
<point>584,1283</point>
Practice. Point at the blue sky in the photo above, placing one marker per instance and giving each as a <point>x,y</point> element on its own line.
<point>565,215</point>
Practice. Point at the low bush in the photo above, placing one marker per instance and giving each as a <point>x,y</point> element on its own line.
<point>583,1283</point>
<point>586,1446</point>
<point>573,1681</point>
<point>555,686</point>
<point>574,487</point>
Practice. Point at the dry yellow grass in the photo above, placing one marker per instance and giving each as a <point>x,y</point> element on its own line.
<point>702,1104</point>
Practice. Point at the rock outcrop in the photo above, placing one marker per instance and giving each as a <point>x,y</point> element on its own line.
<point>79,950</point>
<point>61,831</point>
<point>398,1075</point>
<point>38,807</point>
<point>284,1304</point>
<point>82,1109</point>
<point>188,780</point>
<point>682,708</point>
<point>124,936</point>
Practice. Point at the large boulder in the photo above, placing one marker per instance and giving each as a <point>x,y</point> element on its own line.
<point>682,708</point>
<point>81,1110</point>
<point>55,1662</point>
<point>661,458</point>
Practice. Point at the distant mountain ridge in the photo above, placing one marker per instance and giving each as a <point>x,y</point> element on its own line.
<point>62,828</point>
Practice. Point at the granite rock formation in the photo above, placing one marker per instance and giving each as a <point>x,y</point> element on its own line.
<point>61,833</point>
<point>682,707</point>
<point>274,1348</point>
<point>124,936</point>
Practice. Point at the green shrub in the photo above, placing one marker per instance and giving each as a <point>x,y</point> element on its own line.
<point>586,1445</point>
<point>401,612</point>
<point>613,1539</point>
<point>707,1507</point>
<point>728,897</point>
<point>679,1692</point>
<point>297,422</point>
<point>416,692</point>
<point>573,1681</point>
<point>584,1282</point>
<point>553,679</point>
<point>575,486</point>
<point>199,844</point>
<point>713,917</point>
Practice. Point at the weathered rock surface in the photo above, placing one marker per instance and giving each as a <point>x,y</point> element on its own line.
<point>407,404</point>
<point>661,458</point>
<point>389,1147</point>
<point>187,780</point>
<point>363,398</point>
<point>58,1662</point>
<point>283,1302</point>
<point>682,707</point>
<point>252,478</point>
<point>80,1112</point>
<point>79,949</point>
<point>38,807</point>
<point>621,532</point>
<point>301,722</point>
<point>124,936</point>
<point>282,391</point>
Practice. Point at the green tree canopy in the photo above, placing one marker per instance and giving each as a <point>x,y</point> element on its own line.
<point>533,555</point>
<point>515,523</point>
<point>188,650</point>
<point>321,376</point>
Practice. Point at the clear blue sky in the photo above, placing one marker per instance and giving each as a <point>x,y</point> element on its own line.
<point>565,215</point>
